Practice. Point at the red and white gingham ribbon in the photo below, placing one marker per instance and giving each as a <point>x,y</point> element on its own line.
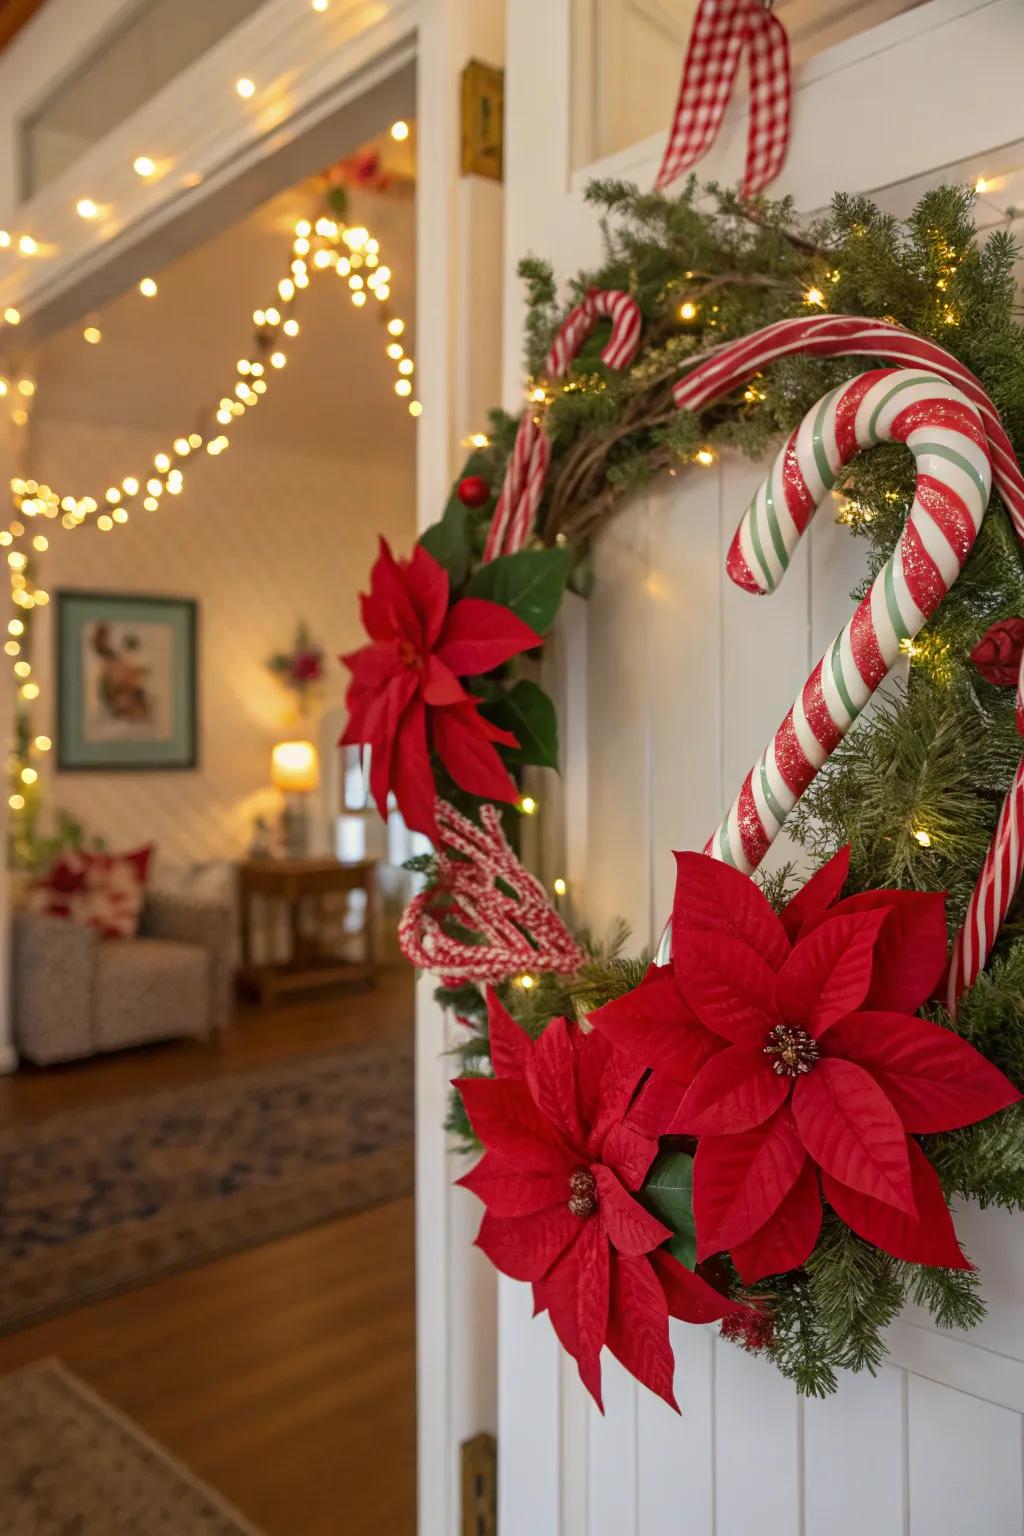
<point>721,31</point>
<point>843,335</point>
<point>526,475</point>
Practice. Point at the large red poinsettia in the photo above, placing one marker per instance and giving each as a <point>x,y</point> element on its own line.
<point>405,697</point>
<point>790,1047</point>
<point>558,1178</point>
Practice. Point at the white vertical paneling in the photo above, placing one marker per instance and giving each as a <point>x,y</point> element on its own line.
<point>963,1464</point>
<point>529,1407</point>
<point>613,1455</point>
<point>684,600</point>
<point>757,1447</point>
<point>853,1458</point>
<point>765,649</point>
<point>575,1449</point>
<point>675,1455</point>
<point>617,882</point>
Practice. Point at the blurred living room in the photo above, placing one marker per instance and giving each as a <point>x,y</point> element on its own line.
<point>209,415</point>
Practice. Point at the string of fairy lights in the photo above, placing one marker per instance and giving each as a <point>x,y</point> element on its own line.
<point>348,254</point>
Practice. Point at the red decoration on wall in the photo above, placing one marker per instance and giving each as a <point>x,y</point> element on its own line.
<point>405,698</point>
<point>482,887</point>
<point>558,1178</point>
<point>792,1050</point>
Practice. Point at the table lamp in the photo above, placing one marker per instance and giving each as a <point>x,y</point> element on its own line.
<point>295,769</point>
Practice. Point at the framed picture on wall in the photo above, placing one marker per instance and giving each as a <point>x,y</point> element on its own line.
<point>126,682</point>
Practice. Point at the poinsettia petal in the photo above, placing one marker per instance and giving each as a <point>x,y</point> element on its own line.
<point>629,1153</point>
<point>374,665</point>
<point>510,1045</point>
<point>479,636</point>
<point>927,1238</point>
<point>592,1053</point>
<point>391,600</point>
<point>525,1247</point>
<point>575,1293</point>
<point>910,952</point>
<point>440,685</point>
<point>506,1119</point>
<point>787,1239</point>
<point>461,740</point>
<point>713,898</point>
<point>655,1027</point>
<point>412,778</point>
<point>739,1181</point>
<point>735,1090</point>
<point>426,582</point>
<point>817,894</point>
<point>630,1228</point>
<point>828,973</point>
<point>551,1075</point>
<point>853,1132</point>
<point>932,1077</point>
<point>728,985</point>
<point>689,1297</point>
<point>507,1191</point>
<point>638,1326</point>
<point>655,1106</point>
<point>620,1079</point>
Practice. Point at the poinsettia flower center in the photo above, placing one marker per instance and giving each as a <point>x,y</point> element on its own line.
<point>583,1192</point>
<point>409,655</point>
<point>792,1051</point>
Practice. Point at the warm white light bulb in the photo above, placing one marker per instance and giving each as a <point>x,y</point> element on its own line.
<point>396,327</point>
<point>400,131</point>
<point>86,208</point>
<point>144,166</point>
<point>148,288</point>
<point>245,88</point>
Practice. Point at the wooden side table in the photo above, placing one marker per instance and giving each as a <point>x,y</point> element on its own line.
<point>296,884</point>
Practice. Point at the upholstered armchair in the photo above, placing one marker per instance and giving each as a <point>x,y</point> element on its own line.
<point>76,994</point>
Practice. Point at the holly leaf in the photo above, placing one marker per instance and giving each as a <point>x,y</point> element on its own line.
<point>531,583</point>
<point>529,714</point>
<point>448,542</point>
<point>668,1193</point>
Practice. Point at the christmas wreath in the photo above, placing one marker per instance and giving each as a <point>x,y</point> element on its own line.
<point>765,1122</point>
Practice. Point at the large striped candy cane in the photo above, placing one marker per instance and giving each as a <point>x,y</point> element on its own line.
<point>526,475</point>
<point>851,335</point>
<point>843,335</point>
<point>944,431</point>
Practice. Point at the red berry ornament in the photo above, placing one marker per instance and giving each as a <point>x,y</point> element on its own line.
<point>474,491</point>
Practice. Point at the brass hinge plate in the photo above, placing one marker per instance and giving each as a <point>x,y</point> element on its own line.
<point>480,1486</point>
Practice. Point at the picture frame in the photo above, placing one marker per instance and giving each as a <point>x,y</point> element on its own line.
<point>127,668</point>
<point>483,121</point>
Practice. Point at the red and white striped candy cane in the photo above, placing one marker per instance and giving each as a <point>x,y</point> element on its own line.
<point>841,335</point>
<point>623,343</point>
<point>845,335</point>
<point>527,471</point>
<point>944,431</point>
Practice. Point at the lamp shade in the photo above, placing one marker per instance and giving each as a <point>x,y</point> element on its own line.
<point>295,767</point>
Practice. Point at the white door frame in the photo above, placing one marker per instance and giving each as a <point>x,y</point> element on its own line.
<point>309,67</point>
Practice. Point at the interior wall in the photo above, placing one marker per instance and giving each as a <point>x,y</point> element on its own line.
<point>280,528</point>
<point>261,538</point>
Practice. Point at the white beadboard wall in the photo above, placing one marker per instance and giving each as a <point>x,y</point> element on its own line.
<point>261,538</point>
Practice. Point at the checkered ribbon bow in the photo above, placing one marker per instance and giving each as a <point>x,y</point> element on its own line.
<point>721,31</point>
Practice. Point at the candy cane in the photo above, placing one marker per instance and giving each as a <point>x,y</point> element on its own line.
<point>527,471</point>
<point>844,335</point>
<point>943,430</point>
<point>623,344</point>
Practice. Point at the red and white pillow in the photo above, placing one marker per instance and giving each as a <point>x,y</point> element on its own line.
<point>98,890</point>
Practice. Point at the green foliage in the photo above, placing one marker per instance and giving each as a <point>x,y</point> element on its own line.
<point>527,711</point>
<point>531,583</point>
<point>668,1194</point>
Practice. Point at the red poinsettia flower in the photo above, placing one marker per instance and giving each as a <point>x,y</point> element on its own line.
<point>405,697</point>
<point>558,1177</point>
<point>997,654</point>
<point>792,1048</point>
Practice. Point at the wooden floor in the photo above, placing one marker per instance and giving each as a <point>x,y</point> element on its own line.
<point>283,1376</point>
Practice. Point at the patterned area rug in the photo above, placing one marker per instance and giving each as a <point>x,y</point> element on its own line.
<point>95,1200</point>
<point>72,1466</point>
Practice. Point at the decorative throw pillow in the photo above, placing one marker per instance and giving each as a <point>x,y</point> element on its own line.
<point>98,890</point>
